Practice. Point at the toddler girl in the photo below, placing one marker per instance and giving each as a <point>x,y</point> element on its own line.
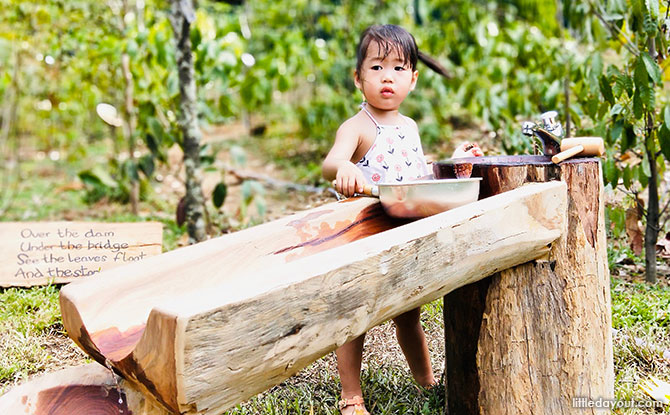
<point>380,145</point>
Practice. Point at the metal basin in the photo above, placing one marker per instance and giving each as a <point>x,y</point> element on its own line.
<point>422,198</point>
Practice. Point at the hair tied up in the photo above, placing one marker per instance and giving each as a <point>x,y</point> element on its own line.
<point>433,64</point>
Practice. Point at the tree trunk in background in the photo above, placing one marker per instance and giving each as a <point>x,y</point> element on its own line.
<point>129,128</point>
<point>131,119</point>
<point>653,216</point>
<point>181,17</point>
<point>534,337</point>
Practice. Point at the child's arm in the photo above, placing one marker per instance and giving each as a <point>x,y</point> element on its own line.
<point>338,166</point>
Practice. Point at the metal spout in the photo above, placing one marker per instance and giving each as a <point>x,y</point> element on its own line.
<point>551,124</point>
<point>549,134</point>
<point>551,144</point>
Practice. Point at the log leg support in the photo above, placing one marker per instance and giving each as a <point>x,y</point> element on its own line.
<point>535,336</point>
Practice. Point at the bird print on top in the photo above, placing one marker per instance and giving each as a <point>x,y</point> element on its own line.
<point>395,156</point>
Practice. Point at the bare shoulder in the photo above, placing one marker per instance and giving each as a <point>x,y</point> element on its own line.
<point>359,132</point>
<point>359,126</point>
<point>412,123</point>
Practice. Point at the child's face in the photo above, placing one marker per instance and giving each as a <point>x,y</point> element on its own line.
<point>385,81</point>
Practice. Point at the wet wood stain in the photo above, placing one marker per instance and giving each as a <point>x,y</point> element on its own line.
<point>114,344</point>
<point>321,236</point>
<point>81,400</point>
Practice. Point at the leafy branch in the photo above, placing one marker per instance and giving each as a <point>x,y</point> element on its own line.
<point>615,31</point>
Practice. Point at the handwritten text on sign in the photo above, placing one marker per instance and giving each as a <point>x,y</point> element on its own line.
<point>35,253</point>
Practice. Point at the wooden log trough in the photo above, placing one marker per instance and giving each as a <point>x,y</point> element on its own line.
<point>202,328</point>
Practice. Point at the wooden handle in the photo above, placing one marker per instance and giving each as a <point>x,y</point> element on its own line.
<point>572,151</point>
<point>368,189</point>
<point>593,146</point>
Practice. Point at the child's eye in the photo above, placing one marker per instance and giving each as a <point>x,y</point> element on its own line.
<point>376,68</point>
<point>399,68</point>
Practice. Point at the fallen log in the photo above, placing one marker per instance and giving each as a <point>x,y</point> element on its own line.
<point>532,338</point>
<point>203,328</point>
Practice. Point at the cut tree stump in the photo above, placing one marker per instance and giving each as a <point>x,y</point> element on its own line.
<point>80,390</point>
<point>534,337</point>
<point>203,328</point>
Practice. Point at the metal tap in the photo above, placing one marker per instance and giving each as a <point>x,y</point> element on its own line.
<point>549,132</point>
<point>551,124</point>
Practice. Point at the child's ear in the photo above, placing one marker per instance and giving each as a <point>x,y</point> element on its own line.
<point>357,80</point>
<point>415,76</point>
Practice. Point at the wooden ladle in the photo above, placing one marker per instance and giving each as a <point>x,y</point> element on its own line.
<point>583,146</point>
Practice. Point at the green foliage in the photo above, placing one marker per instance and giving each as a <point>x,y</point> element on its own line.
<point>289,62</point>
<point>621,97</point>
<point>252,195</point>
<point>219,194</point>
<point>629,93</point>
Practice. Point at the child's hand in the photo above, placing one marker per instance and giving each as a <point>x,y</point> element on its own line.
<point>349,179</point>
<point>467,150</point>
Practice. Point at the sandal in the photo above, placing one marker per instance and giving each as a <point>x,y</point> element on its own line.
<point>357,402</point>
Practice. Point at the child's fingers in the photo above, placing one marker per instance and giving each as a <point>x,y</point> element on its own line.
<point>350,186</point>
<point>342,185</point>
<point>468,149</point>
<point>360,183</point>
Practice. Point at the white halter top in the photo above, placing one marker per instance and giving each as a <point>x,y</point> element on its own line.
<point>396,154</point>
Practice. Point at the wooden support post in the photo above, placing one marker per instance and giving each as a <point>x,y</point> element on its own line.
<point>534,337</point>
<point>205,327</point>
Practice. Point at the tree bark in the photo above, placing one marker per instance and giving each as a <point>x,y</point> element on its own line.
<point>130,126</point>
<point>653,215</point>
<point>130,123</point>
<point>205,327</point>
<point>534,337</point>
<point>181,17</point>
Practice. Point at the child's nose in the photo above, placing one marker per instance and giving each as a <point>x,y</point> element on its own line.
<point>387,76</point>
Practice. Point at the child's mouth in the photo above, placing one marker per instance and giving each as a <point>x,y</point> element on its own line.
<point>387,92</point>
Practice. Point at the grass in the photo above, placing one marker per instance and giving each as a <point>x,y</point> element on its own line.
<point>640,306</point>
<point>387,384</point>
<point>32,338</point>
<point>642,323</point>
<point>387,390</point>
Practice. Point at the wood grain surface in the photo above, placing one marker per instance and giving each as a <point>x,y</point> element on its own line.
<point>213,324</point>
<point>535,336</point>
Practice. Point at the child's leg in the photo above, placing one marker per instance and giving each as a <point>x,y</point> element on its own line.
<point>349,357</point>
<point>413,343</point>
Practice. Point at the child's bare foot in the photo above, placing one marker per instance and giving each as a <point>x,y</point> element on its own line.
<point>353,406</point>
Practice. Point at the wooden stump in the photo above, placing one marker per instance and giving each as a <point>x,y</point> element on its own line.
<point>534,337</point>
<point>81,390</point>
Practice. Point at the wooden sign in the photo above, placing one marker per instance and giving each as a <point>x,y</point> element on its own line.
<point>40,253</point>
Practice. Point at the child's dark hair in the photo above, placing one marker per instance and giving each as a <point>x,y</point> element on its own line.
<point>389,37</point>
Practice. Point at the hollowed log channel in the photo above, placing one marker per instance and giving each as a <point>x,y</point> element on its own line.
<point>108,320</point>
